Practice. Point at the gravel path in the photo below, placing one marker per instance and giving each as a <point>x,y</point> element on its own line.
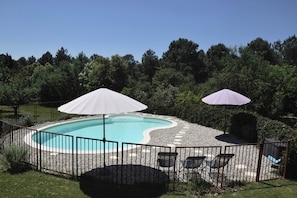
<point>189,134</point>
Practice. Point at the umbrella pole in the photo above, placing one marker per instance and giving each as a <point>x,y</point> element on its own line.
<point>225,122</point>
<point>104,140</point>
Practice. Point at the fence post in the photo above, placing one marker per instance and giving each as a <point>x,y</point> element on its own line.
<point>35,111</point>
<point>72,155</point>
<point>1,125</point>
<point>40,166</point>
<point>76,142</point>
<point>122,164</point>
<point>259,161</point>
<point>117,166</point>
<point>174,169</point>
<point>1,134</point>
<point>222,172</point>
<point>11,129</point>
<point>286,158</point>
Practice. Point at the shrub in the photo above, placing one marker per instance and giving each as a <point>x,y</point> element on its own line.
<point>15,158</point>
<point>206,115</point>
<point>26,121</point>
<point>244,125</point>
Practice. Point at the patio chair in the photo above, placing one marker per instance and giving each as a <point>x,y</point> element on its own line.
<point>276,162</point>
<point>218,162</point>
<point>166,159</point>
<point>190,167</point>
<point>192,162</point>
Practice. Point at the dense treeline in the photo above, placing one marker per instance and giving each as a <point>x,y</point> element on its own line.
<point>265,72</point>
<point>174,83</point>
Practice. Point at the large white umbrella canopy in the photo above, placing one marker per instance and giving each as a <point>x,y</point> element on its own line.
<point>226,97</point>
<point>102,101</point>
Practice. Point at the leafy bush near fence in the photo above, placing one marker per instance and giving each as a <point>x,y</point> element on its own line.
<point>14,159</point>
<point>239,122</point>
<point>244,125</point>
<point>209,116</point>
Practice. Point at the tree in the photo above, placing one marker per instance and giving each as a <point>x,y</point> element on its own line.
<point>102,72</point>
<point>150,63</point>
<point>263,49</point>
<point>31,60</point>
<point>290,50</point>
<point>164,98</point>
<point>214,56</point>
<point>46,58</point>
<point>39,78</point>
<point>15,91</point>
<point>54,88</point>
<point>284,96</point>
<point>200,72</point>
<point>7,61</point>
<point>80,61</point>
<point>118,73</point>
<point>70,86</point>
<point>57,84</point>
<point>22,62</point>
<point>95,74</point>
<point>278,50</point>
<point>182,56</point>
<point>170,76</point>
<point>61,55</point>
<point>133,69</point>
<point>4,73</point>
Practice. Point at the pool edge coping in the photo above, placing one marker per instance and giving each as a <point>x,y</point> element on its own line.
<point>28,137</point>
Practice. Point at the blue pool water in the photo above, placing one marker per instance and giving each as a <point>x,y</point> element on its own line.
<point>120,128</point>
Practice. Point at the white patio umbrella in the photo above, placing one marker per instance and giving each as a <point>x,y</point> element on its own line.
<point>101,102</point>
<point>226,97</point>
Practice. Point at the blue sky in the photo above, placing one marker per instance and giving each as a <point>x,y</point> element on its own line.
<point>109,27</point>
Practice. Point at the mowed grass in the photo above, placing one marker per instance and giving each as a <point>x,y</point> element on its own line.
<point>36,113</point>
<point>281,188</point>
<point>36,184</point>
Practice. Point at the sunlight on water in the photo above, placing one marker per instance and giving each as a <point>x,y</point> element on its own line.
<point>123,128</point>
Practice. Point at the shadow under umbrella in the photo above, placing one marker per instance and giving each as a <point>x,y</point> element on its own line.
<point>124,180</point>
<point>228,138</point>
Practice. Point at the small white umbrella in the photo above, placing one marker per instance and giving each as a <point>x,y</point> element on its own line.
<point>226,97</point>
<point>101,102</point>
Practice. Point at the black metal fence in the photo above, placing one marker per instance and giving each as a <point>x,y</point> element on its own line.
<point>130,163</point>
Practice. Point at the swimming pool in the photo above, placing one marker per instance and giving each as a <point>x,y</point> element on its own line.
<point>119,128</point>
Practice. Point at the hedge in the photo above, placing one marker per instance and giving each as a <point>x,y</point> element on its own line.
<point>244,124</point>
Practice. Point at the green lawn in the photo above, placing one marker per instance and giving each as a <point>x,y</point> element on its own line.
<point>274,188</point>
<point>35,184</point>
<point>35,113</point>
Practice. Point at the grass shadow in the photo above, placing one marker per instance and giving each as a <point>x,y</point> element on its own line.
<point>124,181</point>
